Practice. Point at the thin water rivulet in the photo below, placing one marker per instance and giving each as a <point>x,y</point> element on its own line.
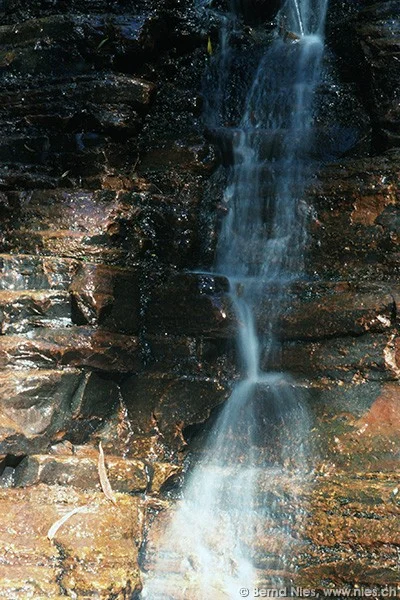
<point>229,531</point>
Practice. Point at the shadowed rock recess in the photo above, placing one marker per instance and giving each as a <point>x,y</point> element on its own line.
<point>111,328</point>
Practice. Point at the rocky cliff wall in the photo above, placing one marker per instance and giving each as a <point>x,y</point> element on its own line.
<point>111,328</point>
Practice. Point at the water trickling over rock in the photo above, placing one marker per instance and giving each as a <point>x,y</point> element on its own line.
<point>110,191</point>
<point>262,432</point>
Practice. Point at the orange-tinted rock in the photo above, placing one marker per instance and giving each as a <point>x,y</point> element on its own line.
<point>367,209</point>
<point>342,435</point>
<point>354,522</point>
<point>71,120</point>
<point>94,554</point>
<point>106,226</point>
<point>68,223</point>
<point>78,119</point>
<point>147,447</point>
<point>68,244</point>
<point>81,472</point>
<point>163,473</point>
<point>383,418</point>
<point>348,535</point>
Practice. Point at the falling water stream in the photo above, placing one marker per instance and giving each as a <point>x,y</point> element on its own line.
<point>230,526</point>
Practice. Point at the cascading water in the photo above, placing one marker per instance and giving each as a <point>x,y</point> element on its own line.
<point>211,547</point>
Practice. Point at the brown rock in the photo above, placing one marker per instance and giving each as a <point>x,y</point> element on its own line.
<point>106,296</point>
<point>73,211</point>
<point>126,476</point>
<point>342,432</point>
<point>41,407</point>
<point>71,347</point>
<point>384,415</point>
<point>93,554</point>
<point>23,310</point>
<point>70,224</point>
<point>68,244</point>
<point>354,232</point>
<point>347,519</point>
<point>119,439</point>
<point>75,346</point>
<point>147,447</point>
<point>369,357</point>
<point>191,355</point>
<point>75,224</point>
<point>356,519</point>
<point>25,272</point>
<point>197,158</point>
<point>103,34</point>
<point>322,310</point>
<point>112,227</point>
<point>191,304</point>
<point>377,29</point>
<point>368,209</point>
<point>163,473</point>
<point>165,404</point>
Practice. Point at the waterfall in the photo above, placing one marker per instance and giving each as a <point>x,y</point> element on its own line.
<point>211,548</point>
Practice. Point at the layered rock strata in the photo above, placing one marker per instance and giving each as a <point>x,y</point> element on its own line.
<point>112,328</point>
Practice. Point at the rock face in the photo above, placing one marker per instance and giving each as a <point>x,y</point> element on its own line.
<point>111,328</point>
<point>99,210</point>
<point>92,555</point>
<point>103,170</point>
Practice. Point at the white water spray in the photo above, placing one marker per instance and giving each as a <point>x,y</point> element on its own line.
<point>215,542</point>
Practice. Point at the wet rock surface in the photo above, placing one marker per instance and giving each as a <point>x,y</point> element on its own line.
<point>354,226</point>
<point>378,31</point>
<point>351,519</point>
<point>112,328</point>
<point>93,554</point>
<point>40,407</point>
